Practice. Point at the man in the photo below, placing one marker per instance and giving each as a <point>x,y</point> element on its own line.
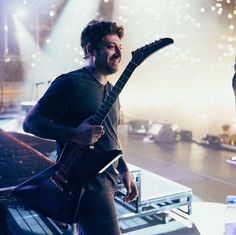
<point>63,114</point>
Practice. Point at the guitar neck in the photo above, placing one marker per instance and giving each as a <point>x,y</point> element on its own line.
<point>104,109</point>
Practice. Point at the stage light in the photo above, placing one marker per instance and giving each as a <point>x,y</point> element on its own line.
<point>21,13</point>
<point>35,62</point>
<point>26,42</point>
<point>220,11</point>
<point>52,13</point>
<point>213,8</point>
<point>5,28</point>
<point>21,35</point>
<point>231,27</point>
<point>7,59</point>
<point>66,34</point>
<point>45,64</point>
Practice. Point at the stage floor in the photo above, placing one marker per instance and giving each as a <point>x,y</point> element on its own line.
<point>201,169</point>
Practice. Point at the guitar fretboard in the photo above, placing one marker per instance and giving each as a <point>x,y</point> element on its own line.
<point>104,109</point>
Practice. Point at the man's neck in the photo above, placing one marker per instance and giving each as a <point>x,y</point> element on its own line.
<point>100,77</point>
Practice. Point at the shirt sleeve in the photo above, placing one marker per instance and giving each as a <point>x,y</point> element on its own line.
<point>55,101</point>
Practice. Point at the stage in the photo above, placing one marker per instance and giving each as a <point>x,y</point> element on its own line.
<point>159,198</point>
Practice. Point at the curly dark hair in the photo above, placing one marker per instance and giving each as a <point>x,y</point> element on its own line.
<point>94,32</point>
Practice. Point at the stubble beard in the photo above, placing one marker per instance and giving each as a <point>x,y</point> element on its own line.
<point>111,69</point>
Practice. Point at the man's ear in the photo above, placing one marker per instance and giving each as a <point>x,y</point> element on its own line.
<point>90,50</point>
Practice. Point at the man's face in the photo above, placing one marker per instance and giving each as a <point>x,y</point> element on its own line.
<point>108,54</point>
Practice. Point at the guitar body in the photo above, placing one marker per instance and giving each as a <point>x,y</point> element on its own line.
<point>41,194</point>
<point>52,195</point>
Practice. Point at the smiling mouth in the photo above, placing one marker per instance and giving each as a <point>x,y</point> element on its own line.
<point>115,61</point>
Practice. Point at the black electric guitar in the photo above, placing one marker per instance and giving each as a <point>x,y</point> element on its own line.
<point>56,191</point>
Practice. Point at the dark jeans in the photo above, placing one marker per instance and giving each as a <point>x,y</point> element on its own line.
<point>97,214</point>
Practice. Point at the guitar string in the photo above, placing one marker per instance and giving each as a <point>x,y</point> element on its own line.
<point>78,153</point>
<point>69,160</point>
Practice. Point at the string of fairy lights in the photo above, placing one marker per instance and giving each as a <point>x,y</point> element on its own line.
<point>186,18</point>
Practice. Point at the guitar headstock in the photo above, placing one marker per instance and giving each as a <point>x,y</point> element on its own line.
<point>139,55</point>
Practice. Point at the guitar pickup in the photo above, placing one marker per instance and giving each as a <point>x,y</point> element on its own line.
<point>56,184</point>
<point>63,179</point>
